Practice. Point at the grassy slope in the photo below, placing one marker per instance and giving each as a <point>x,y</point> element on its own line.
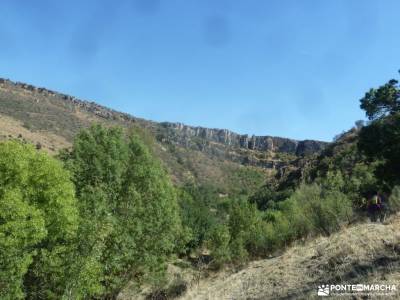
<point>52,121</point>
<point>367,253</point>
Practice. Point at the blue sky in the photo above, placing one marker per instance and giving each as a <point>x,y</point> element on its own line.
<point>286,68</point>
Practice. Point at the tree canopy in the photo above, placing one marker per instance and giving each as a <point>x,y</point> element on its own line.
<point>382,101</point>
<point>125,193</point>
<point>38,222</point>
<point>381,138</point>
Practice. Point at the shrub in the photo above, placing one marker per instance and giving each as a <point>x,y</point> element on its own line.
<point>268,197</point>
<point>245,228</point>
<point>394,200</point>
<point>325,209</point>
<point>218,241</point>
<point>196,205</point>
<point>130,224</point>
<point>38,223</point>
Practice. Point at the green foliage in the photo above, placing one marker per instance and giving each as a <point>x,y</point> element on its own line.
<point>22,227</point>
<point>218,241</point>
<point>99,157</point>
<point>239,237</point>
<point>130,224</point>
<point>383,101</point>
<point>197,212</point>
<point>245,227</point>
<point>356,176</point>
<point>312,209</point>
<point>38,223</point>
<point>381,141</point>
<point>267,197</point>
<point>325,208</point>
<point>360,183</point>
<point>245,180</point>
<point>279,229</point>
<point>394,200</point>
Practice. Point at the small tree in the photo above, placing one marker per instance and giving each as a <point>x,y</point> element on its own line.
<point>218,242</point>
<point>38,223</point>
<point>383,101</point>
<point>326,209</point>
<point>394,200</point>
<point>131,224</point>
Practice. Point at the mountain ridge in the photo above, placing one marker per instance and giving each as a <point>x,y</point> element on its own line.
<point>217,157</point>
<point>223,136</point>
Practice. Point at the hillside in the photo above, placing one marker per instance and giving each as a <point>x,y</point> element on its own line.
<point>248,217</point>
<point>209,156</point>
<point>365,253</point>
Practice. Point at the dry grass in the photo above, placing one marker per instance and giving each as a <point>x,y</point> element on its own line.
<point>365,253</point>
<point>176,283</point>
<point>50,142</point>
<point>53,121</point>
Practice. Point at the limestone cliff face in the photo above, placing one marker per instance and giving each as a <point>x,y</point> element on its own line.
<point>221,143</point>
<point>259,143</point>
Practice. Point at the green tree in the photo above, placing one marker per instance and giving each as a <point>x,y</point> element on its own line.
<point>245,227</point>
<point>394,200</point>
<point>197,204</point>
<point>381,141</point>
<point>325,209</point>
<point>218,241</point>
<point>383,101</point>
<point>126,196</point>
<point>268,196</point>
<point>38,223</point>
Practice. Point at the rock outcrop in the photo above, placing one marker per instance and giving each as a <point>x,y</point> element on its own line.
<point>220,143</point>
<point>235,140</point>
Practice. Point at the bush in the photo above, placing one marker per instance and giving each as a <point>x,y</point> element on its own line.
<point>218,241</point>
<point>38,223</point>
<point>325,209</point>
<point>268,197</point>
<point>245,227</point>
<point>197,205</point>
<point>394,200</point>
<point>130,224</point>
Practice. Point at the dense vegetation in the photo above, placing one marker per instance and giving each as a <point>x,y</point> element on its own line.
<point>120,223</point>
<point>105,213</point>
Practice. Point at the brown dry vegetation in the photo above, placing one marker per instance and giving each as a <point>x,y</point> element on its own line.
<point>50,142</point>
<point>367,253</point>
<point>52,121</point>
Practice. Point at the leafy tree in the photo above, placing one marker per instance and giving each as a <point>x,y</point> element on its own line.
<point>280,229</point>
<point>290,221</point>
<point>218,240</point>
<point>360,183</point>
<point>383,101</point>
<point>245,227</point>
<point>326,209</point>
<point>99,158</point>
<point>394,200</point>
<point>381,141</point>
<point>267,197</point>
<point>38,223</point>
<point>197,215</point>
<point>128,206</point>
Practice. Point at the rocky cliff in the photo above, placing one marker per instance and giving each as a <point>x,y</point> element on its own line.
<point>52,119</point>
<point>177,132</point>
<point>258,143</point>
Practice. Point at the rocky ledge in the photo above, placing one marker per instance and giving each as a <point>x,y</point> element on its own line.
<point>235,140</point>
<point>180,133</point>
